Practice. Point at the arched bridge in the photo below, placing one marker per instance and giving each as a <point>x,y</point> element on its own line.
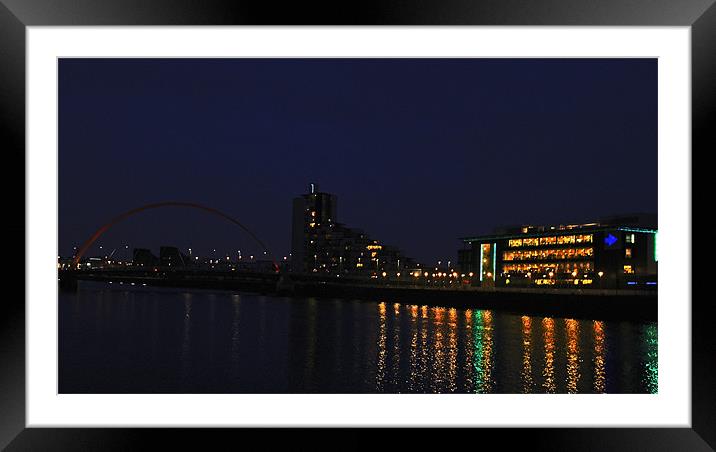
<point>87,244</point>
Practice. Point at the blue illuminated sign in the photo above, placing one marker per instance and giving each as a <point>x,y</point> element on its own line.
<point>610,239</point>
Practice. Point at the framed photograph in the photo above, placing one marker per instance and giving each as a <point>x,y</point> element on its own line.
<point>445,217</point>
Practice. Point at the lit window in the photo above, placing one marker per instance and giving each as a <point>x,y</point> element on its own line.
<point>584,238</point>
<point>562,239</point>
<point>516,242</point>
<point>628,269</point>
<point>627,253</point>
<point>630,238</point>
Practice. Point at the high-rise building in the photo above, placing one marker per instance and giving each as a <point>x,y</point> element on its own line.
<point>311,213</point>
<point>320,244</point>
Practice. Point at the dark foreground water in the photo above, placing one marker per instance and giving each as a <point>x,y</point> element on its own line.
<point>124,339</point>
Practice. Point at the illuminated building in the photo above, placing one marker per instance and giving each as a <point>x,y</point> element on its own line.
<point>312,213</point>
<point>614,252</point>
<point>319,244</point>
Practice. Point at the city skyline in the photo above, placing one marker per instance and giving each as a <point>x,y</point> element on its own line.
<point>419,152</point>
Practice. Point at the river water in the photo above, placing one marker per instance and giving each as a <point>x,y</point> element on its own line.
<point>130,339</point>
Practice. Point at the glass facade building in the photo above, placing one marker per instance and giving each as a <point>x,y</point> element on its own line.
<point>612,253</point>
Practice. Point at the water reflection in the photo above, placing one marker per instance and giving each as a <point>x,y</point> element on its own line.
<point>549,345</point>
<point>651,364</point>
<point>468,367</point>
<point>310,326</point>
<point>414,365</point>
<point>438,351</point>
<point>396,346</point>
<point>425,370</point>
<point>186,341</point>
<point>599,372</point>
<point>452,350</point>
<point>526,354</point>
<point>235,330</point>
<point>382,349</point>
<point>231,343</point>
<point>572,329</point>
<point>482,358</point>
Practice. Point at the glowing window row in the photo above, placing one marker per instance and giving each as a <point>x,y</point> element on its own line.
<point>551,282</point>
<point>565,267</point>
<point>553,240</point>
<point>553,254</point>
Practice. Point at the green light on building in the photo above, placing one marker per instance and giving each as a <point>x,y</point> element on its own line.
<point>481,254</point>
<point>494,261</point>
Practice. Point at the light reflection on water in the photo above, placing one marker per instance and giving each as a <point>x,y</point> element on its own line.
<point>166,340</point>
<point>572,327</point>
<point>599,347</point>
<point>549,346</point>
<point>526,354</point>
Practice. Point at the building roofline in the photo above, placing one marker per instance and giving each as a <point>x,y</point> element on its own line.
<point>554,232</point>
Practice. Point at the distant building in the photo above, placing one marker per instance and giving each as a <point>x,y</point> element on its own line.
<point>319,244</point>
<point>143,257</point>
<point>170,256</point>
<point>614,252</point>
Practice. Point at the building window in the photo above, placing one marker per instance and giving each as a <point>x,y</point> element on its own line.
<point>627,253</point>
<point>562,267</point>
<point>547,254</point>
<point>515,243</point>
<point>584,238</point>
<point>628,269</point>
<point>630,238</point>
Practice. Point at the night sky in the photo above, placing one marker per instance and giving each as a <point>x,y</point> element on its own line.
<point>419,152</point>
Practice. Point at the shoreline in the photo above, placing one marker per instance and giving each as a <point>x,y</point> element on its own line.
<point>593,304</point>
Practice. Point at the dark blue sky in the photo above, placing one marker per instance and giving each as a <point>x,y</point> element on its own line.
<point>419,152</point>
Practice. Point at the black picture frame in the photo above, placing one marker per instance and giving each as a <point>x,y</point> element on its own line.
<point>16,15</point>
